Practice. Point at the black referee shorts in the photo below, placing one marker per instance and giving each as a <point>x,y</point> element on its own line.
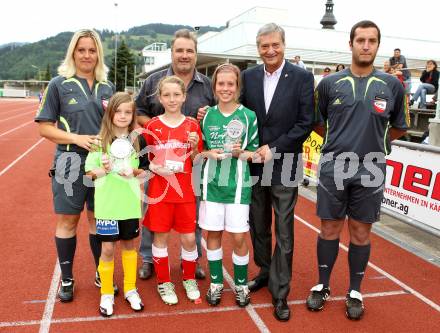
<point>70,188</point>
<point>358,196</point>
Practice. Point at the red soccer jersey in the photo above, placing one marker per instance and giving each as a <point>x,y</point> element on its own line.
<point>170,147</point>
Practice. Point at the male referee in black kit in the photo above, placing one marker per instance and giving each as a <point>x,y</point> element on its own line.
<point>363,110</point>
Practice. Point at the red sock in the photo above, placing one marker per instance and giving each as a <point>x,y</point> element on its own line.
<point>162,269</point>
<point>188,269</point>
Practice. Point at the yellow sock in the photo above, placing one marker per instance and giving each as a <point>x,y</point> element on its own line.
<point>106,269</point>
<point>129,264</point>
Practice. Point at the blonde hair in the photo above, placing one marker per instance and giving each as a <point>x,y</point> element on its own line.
<point>170,79</point>
<point>68,68</point>
<point>227,67</point>
<point>107,126</point>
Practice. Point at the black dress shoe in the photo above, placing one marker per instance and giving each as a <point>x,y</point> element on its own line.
<point>257,283</point>
<point>199,273</point>
<point>146,270</point>
<point>281,310</point>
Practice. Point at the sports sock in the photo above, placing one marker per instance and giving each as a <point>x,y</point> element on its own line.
<point>161,267</point>
<point>189,261</point>
<point>215,265</point>
<point>240,269</point>
<point>327,253</point>
<point>66,252</point>
<point>105,270</point>
<point>358,256</point>
<point>95,246</point>
<point>129,264</point>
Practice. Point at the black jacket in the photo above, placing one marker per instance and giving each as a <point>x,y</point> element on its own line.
<point>434,78</point>
<point>289,120</point>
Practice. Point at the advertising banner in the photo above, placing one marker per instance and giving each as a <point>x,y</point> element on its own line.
<point>412,186</point>
<point>311,155</point>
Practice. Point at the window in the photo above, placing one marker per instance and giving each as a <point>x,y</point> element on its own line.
<point>149,60</point>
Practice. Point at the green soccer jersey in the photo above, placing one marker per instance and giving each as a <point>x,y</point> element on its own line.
<point>116,197</point>
<point>229,180</point>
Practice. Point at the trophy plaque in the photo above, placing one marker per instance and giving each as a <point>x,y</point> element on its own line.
<point>120,152</point>
<point>234,131</point>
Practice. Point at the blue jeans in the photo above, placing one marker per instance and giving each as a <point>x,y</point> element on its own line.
<point>422,90</point>
<point>145,249</point>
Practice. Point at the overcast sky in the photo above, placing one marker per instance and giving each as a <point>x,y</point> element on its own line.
<point>30,21</point>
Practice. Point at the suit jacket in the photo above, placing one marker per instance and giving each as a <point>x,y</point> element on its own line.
<point>288,122</point>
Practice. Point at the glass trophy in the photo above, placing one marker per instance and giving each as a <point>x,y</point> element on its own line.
<point>234,131</point>
<point>120,152</point>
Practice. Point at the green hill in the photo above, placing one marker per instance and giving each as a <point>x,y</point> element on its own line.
<point>18,63</point>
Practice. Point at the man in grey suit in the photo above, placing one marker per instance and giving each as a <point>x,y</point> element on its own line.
<point>281,95</point>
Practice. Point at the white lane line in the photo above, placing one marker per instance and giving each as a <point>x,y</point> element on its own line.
<point>182,312</point>
<point>50,301</point>
<point>16,128</point>
<point>20,157</point>
<point>404,286</point>
<point>250,308</point>
<point>16,116</point>
<point>342,298</point>
<point>124,316</point>
<point>27,107</point>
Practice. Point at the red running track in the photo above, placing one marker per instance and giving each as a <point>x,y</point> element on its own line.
<point>401,290</point>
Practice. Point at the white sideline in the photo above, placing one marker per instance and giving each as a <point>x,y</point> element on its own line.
<point>19,109</point>
<point>181,312</point>
<point>20,157</point>
<point>16,128</point>
<point>18,115</point>
<point>340,298</point>
<point>381,271</point>
<point>250,308</point>
<point>51,298</point>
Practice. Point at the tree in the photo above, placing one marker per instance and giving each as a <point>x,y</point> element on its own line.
<point>47,75</point>
<point>125,59</point>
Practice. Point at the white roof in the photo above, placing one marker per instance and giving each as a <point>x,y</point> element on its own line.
<point>314,45</point>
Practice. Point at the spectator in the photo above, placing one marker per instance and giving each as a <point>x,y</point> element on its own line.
<point>393,71</point>
<point>429,84</point>
<point>387,67</point>
<point>399,61</point>
<point>339,67</point>
<point>327,71</point>
<point>298,62</point>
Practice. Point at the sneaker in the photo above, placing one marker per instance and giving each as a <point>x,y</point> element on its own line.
<point>192,289</point>
<point>242,295</point>
<point>65,292</point>
<point>214,294</point>
<point>316,300</point>
<point>134,299</point>
<point>98,283</point>
<point>354,307</point>
<point>167,293</point>
<point>106,305</point>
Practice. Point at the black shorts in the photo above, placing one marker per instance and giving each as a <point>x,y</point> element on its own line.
<point>358,197</point>
<point>70,188</point>
<point>114,230</point>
